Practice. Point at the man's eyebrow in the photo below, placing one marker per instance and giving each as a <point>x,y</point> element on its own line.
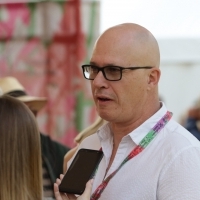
<point>93,63</point>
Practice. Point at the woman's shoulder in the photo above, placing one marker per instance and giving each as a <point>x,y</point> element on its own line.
<point>91,142</point>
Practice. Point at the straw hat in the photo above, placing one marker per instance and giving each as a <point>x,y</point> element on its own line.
<point>11,86</point>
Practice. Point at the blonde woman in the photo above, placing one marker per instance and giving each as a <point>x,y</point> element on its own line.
<point>20,160</point>
<point>80,137</point>
<point>20,155</point>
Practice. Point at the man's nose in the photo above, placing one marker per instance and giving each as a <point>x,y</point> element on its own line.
<point>99,79</point>
<point>100,75</point>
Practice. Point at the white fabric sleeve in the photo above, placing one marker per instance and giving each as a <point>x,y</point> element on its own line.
<point>181,179</point>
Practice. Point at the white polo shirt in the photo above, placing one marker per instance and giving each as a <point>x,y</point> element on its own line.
<point>167,169</point>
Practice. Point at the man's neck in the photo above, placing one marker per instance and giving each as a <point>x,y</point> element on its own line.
<point>121,129</point>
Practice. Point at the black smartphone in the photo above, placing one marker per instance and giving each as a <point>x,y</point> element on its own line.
<point>80,171</point>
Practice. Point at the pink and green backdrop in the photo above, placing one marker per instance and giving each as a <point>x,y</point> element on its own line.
<point>43,44</point>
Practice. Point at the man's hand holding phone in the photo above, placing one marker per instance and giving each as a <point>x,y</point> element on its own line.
<point>63,196</point>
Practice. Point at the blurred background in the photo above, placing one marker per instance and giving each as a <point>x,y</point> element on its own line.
<point>44,43</point>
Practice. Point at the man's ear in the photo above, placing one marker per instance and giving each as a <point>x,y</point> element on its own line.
<point>154,77</point>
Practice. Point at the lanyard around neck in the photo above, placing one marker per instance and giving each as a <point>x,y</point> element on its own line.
<point>139,148</point>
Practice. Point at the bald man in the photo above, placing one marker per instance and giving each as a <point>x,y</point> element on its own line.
<point>147,155</point>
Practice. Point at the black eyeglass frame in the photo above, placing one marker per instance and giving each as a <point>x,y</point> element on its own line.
<point>104,74</point>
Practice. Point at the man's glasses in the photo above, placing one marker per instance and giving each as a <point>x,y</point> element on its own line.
<point>111,73</point>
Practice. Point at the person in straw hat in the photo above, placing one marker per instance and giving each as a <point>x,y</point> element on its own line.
<point>52,151</point>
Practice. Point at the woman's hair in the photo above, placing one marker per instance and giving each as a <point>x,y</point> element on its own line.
<point>20,152</point>
<point>89,130</point>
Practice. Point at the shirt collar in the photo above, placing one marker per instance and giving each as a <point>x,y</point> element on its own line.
<point>139,133</point>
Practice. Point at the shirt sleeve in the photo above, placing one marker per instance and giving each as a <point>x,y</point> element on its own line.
<point>181,178</point>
